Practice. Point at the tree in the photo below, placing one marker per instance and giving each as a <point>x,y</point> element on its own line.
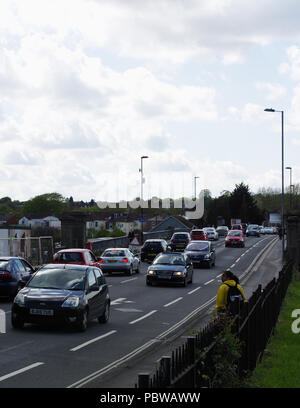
<point>243,205</point>
<point>51,203</point>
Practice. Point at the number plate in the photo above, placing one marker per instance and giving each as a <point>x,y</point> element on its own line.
<point>112,260</point>
<point>41,312</point>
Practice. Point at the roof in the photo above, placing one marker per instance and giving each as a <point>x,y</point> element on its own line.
<point>73,250</point>
<point>65,266</point>
<point>38,216</point>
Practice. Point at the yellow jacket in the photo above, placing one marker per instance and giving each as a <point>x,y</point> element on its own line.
<point>221,300</point>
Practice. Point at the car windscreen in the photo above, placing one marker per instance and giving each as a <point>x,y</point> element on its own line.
<point>203,246</point>
<point>65,257</point>
<point>169,259</point>
<point>235,234</point>
<point>111,254</point>
<point>209,230</point>
<point>253,227</point>
<point>152,245</point>
<point>72,279</point>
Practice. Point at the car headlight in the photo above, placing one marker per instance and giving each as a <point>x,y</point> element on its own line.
<point>206,256</point>
<point>72,301</point>
<point>178,273</point>
<point>20,299</point>
<point>151,273</point>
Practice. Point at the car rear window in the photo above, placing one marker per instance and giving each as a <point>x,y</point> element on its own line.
<point>152,245</point>
<point>70,257</point>
<point>4,266</point>
<point>235,234</point>
<point>112,254</point>
<point>180,236</point>
<point>197,233</point>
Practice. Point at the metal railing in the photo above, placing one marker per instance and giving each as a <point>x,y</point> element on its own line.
<point>191,363</point>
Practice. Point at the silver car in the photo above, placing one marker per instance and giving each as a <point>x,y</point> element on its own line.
<point>211,233</point>
<point>119,260</point>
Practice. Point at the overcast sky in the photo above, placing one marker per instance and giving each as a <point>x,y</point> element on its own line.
<point>89,86</point>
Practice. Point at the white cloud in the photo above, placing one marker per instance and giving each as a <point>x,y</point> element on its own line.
<point>274,91</point>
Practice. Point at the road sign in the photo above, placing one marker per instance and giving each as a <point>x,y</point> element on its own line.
<point>142,219</point>
<point>135,242</point>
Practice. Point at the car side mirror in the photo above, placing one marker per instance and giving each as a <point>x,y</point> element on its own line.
<point>94,288</point>
<point>22,284</point>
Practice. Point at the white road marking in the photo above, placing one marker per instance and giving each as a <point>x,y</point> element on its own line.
<point>192,291</point>
<point>93,340</point>
<point>206,283</point>
<point>238,260</point>
<point>219,275</point>
<point>143,317</point>
<point>22,370</point>
<point>233,265</point>
<point>128,280</point>
<point>117,301</point>
<point>174,301</point>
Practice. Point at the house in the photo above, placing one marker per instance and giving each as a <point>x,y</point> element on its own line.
<point>175,223</point>
<point>40,220</point>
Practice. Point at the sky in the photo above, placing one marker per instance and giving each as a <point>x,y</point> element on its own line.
<point>87,87</point>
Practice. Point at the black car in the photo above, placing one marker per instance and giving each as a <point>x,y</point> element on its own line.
<point>14,272</point>
<point>153,247</point>
<point>201,253</point>
<point>179,241</point>
<point>170,267</point>
<point>66,294</point>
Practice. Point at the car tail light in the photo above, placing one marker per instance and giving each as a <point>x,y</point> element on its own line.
<point>5,274</point>
<point>100,260</point>
<point>125,260</point>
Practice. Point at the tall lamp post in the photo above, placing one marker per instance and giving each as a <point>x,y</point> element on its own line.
<point>195,179</point>
<point>141,200</point>
<point>282,175</point>
<point>290,169</point>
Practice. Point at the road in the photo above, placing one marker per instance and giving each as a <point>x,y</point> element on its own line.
<point>141,317</point>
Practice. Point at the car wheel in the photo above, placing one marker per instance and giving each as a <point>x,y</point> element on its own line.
<point>16,321</point>
<point>82,326</point>
<point>105,316</point>
<point>130,272</point>
<point>184,284</point>
<point>208,265</point>
<point>138,269</point>
<point>191,280</point>
<point>148,283</point>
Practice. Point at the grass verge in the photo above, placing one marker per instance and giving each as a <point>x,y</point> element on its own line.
<point>280,364</point>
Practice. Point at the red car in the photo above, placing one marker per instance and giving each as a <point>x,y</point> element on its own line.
<point>76,256</point>
<point>198,235</point>
<point>235,238</point>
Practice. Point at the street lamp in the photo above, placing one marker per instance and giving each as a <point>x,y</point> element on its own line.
<point>141,199</point>
<point>289,168</point>
<point>195,178</point>
<point>282,175</point>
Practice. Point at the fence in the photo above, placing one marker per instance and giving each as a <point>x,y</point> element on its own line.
<point>37,250</point>
<point>191,364</point>
<point>98,245</point>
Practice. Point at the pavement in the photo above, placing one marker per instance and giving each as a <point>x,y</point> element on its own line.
<point>127,375</point>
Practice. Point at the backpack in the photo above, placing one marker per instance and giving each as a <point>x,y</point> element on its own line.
<point>235,300</point>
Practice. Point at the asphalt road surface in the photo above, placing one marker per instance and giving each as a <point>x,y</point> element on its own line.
<point>141,316</point>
